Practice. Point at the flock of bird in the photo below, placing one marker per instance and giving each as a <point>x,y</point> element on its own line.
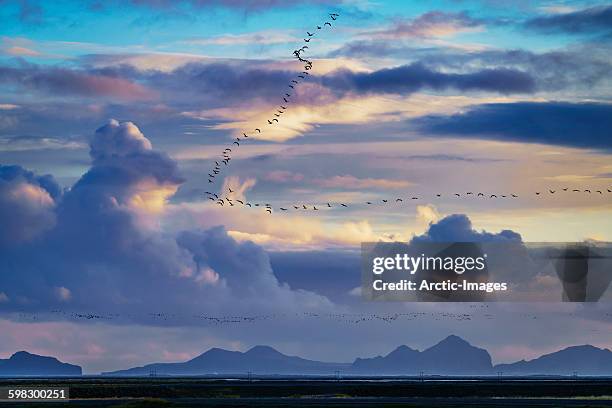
<point>226,154</point>
<point>475,312</point>
<point>227,201</point>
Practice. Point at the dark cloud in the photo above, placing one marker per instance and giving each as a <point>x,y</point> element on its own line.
<point>458,228</point>
<point>414,77</point>
<point>580,67</point>
<point>569,124</point>
<point>591,20</point>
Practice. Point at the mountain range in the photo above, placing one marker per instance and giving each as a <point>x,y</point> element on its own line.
<point>451,356</point>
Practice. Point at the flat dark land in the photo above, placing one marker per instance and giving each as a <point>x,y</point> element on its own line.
<point>192,392</point>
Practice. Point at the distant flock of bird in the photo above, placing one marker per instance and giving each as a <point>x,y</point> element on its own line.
<point>227,201</point>
<point>226,154</point>
<point>478,311</point>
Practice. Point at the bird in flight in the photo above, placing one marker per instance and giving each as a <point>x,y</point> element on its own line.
<point>327,23</point>
<point>230,190</point>
<point>258,130</point>
<point>309,34</point>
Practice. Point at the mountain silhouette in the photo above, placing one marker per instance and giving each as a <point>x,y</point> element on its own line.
<point>22,364</point>
<point>583,360</point>
<point>259,359</point>
<point>451,356</point>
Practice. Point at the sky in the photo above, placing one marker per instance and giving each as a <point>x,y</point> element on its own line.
<point>113,113</point>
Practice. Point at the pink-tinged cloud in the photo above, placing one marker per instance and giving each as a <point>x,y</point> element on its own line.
<point>429,25</point>
<point>283,176</point>
<point>74,82</point>
<point>21,52</point>
<point>349,182</point>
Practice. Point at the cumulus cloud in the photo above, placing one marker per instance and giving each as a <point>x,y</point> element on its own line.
<point>458,228</point>
<point>27,204</point>
<point>99,255</point>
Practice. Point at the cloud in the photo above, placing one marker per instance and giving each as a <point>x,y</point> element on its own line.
<point>570,124</point>
<point>114,255</point>
<point>411,78</point>
<point>283,176</point>
<point>64,81</point>
<point>238,188</point>
<point>248,5</point>
<point>267,37</point>
<point>590,20</point>
<point>27,204</point>
<point>579,67</point>
<point>428,25</point>
<point>458,228</point>
<point>352,182</point>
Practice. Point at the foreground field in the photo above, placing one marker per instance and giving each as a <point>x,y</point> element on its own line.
<point>191,392</point>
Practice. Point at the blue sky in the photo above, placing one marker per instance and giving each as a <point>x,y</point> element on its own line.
<point>112,114</point>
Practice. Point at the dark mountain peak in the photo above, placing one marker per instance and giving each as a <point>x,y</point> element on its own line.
<point>23,363</point>
<point>451,342</point>
<point>584,348</point>
<point>585,359</point>
<point>263,351</point>
<point>454,339</point>
<point>21,354</point>
<point>402,351</point>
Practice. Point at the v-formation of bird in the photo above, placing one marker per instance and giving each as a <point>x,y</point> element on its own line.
<point>228,201</point>
<point>226,155</point>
